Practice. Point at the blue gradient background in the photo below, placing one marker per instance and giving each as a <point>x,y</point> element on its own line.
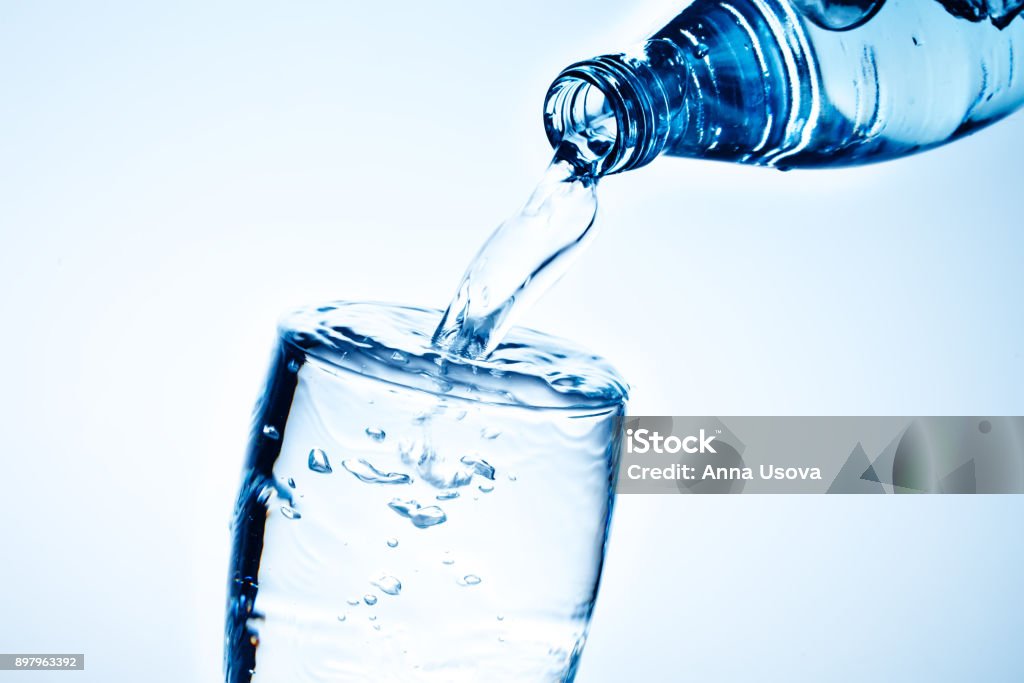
<point>175,175</point>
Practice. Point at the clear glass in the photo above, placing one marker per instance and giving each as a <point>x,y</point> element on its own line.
<point>406,515</point>
<point>801,83</point>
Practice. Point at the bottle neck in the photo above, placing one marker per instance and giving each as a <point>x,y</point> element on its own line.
<point>616,108</point>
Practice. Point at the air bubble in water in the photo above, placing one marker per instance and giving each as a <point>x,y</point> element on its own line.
<point>270,431</point>
<point>470,580</point>
<point>318,461</point>
<point>433,467</point>
<point>375,433</point>
<point>365,472</point>
<point>370,599</point>
<point>481,467</point>
<point>290,512</point>
<point>389,585</point>
<point>421,517</point>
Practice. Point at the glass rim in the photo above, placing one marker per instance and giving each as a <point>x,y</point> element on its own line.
<point>423,368</point>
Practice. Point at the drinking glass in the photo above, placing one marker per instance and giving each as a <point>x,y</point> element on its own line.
<point>405,515</point>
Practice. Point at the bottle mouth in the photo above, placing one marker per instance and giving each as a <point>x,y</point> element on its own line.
<point>577,111</point>
<point>603,108</point>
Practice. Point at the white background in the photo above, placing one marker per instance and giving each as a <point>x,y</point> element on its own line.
<point>173,176</point>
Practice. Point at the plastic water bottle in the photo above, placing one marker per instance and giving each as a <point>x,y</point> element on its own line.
<point>798,83</point>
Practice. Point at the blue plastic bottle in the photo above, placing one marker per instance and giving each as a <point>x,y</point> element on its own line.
<point>797,83</point>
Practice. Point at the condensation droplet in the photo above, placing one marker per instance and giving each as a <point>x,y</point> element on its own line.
<point>342,617</point>
<point>489,434</point>
<point>392,542</point>
<point>370,599</point>
<point>353,601</point>
<point>447,495</point>
<point>470,580</point>
<point>486,488</point>
<point>291,482</point>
